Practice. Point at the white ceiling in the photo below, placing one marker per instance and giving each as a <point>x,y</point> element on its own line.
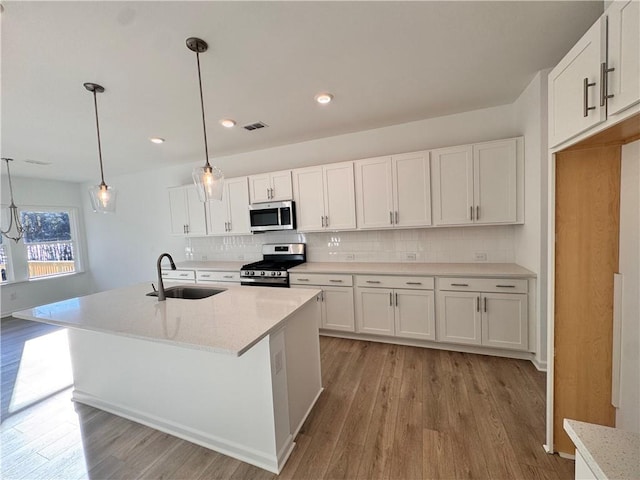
<point>385,62</point>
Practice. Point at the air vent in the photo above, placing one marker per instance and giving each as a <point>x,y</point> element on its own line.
<point>255,126</point>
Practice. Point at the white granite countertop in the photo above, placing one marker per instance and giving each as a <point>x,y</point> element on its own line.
<point>430,269</point>
<point>611,453</point>
<point>210,265</point>
<point>230,322</point>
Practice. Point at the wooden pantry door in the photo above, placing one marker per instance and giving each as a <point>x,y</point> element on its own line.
<point>586,257</point>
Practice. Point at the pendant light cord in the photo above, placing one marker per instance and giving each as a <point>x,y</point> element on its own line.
<point>7,160</point>
<point>95,104</point>
<point>204,125</point>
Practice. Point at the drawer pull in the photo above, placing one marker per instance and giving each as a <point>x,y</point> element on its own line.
<point>505,286</point>
<point>184,274</point>
<point>414,283</point>
<point>373,281</point>
<point>303,279</point>
<point>205,276</point>
<point>459,284</point>
<point>336,281</point>
<point>227,276</point>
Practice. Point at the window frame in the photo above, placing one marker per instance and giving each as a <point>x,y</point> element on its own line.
<point>17,255</point>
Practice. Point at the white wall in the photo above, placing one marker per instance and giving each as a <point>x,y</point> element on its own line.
<point>628,415</point>
<point>530,242</point>
<point>124,247</point>
<point>30,192</point>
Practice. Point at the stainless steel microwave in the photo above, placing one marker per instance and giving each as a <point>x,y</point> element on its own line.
<point>265,217</point>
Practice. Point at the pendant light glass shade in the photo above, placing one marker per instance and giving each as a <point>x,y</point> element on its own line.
<point>103,197</point>
<point>208,180</point>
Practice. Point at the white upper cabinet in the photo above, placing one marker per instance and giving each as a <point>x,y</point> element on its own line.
<point>412,189</point>
<point>187,211</point>
<point>478,184</point>
<point>270,187</point>
<point>393,191</point>
<point>597,81</point>
<point>623,82</point>
<point>574,87</point>
<point>231,215</point>
<point>324,197</point>
<point>374,193</point>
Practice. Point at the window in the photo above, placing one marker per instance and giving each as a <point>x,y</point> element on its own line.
<point>49,247</point>
<point>48,241</point>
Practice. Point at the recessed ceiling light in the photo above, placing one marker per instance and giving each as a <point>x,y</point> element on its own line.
<point>156,140</point>
<point>324,98</point>
<point>227,122</point>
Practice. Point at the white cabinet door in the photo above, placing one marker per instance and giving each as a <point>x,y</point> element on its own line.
<point>281,186</point>
<point>339,196</point>
<point>308,192</point>
<point>338,308</point>
<point>374,311</point>
<point>197,215</point>
<point>259,188</point>
<point>238,205</point>
<point>624,55</point>
<point>414,315</point>
<point>504,321</point>
<point>374,193</point>
<point>412,189</point>
<point>459,318</point>
<point>495,182</point>
<point>574,87</point>
<point>178,210</point>
<point>218,213</point>
<point>452,185</point>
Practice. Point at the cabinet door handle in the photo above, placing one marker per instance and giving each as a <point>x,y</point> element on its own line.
<point>397,217</point>
<point>390,217</point>
<point>229,226</point>
<point>477,212</point>
<point>471,210</point>
<point>477,304</point>
<point>373,281</point>
<point>390,299</point>
<point>272,193</point>
<point>326,221</point>
<point>413,283</point>
<point>396,299</point>
<point>585,96</point>
<point>485,304</point>
<point>335,281</point>
<point>322,220</point>
<point>459,284</point>
<point>505,286</point>
<point>604,83</point>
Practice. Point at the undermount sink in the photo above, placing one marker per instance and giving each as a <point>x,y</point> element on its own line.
<point>188,293</point>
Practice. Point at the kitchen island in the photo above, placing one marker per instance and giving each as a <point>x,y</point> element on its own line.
<point>237,372</point>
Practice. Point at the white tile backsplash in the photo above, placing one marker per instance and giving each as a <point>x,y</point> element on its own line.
<point>455,245</point>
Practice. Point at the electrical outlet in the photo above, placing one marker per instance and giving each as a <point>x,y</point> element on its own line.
<point>204,258</point>
<point>278,362</point>
<point>410,256</point>
<point>480,256</point>
<point>13,296</point>
<point>350,257</point>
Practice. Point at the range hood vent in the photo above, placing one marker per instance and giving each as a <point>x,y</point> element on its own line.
<point>255,126</point>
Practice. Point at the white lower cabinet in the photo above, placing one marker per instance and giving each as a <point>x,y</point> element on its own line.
<point>217,276</point>
<point>179,276</point>
<point>337,309</point>
<point>400,312</point>
<point>468,315</point>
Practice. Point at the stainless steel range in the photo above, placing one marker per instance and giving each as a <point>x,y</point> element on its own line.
<point>271,271</point>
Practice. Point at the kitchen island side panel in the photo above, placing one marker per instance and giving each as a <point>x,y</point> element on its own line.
<point>219,401</point>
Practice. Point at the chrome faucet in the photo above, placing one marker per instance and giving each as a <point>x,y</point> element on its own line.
<point>161,296</point>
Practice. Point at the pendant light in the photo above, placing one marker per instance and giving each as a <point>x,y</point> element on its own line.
<point>13,213</point>
<point>103,197</point>
<point>208,179</point>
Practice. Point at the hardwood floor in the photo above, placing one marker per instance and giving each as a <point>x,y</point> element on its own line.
<point>387,412</point>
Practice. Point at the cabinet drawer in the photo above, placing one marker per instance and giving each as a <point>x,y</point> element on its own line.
<point>393,281</point>
<point>216,276</point>
<point>504,285</point>
<point>179,275</point>
<point>321,279</point>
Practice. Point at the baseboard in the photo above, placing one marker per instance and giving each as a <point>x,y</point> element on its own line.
<point>304,417</point>
<point>212,442</point>
<point>540,366</point>
<point>568,456</point>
